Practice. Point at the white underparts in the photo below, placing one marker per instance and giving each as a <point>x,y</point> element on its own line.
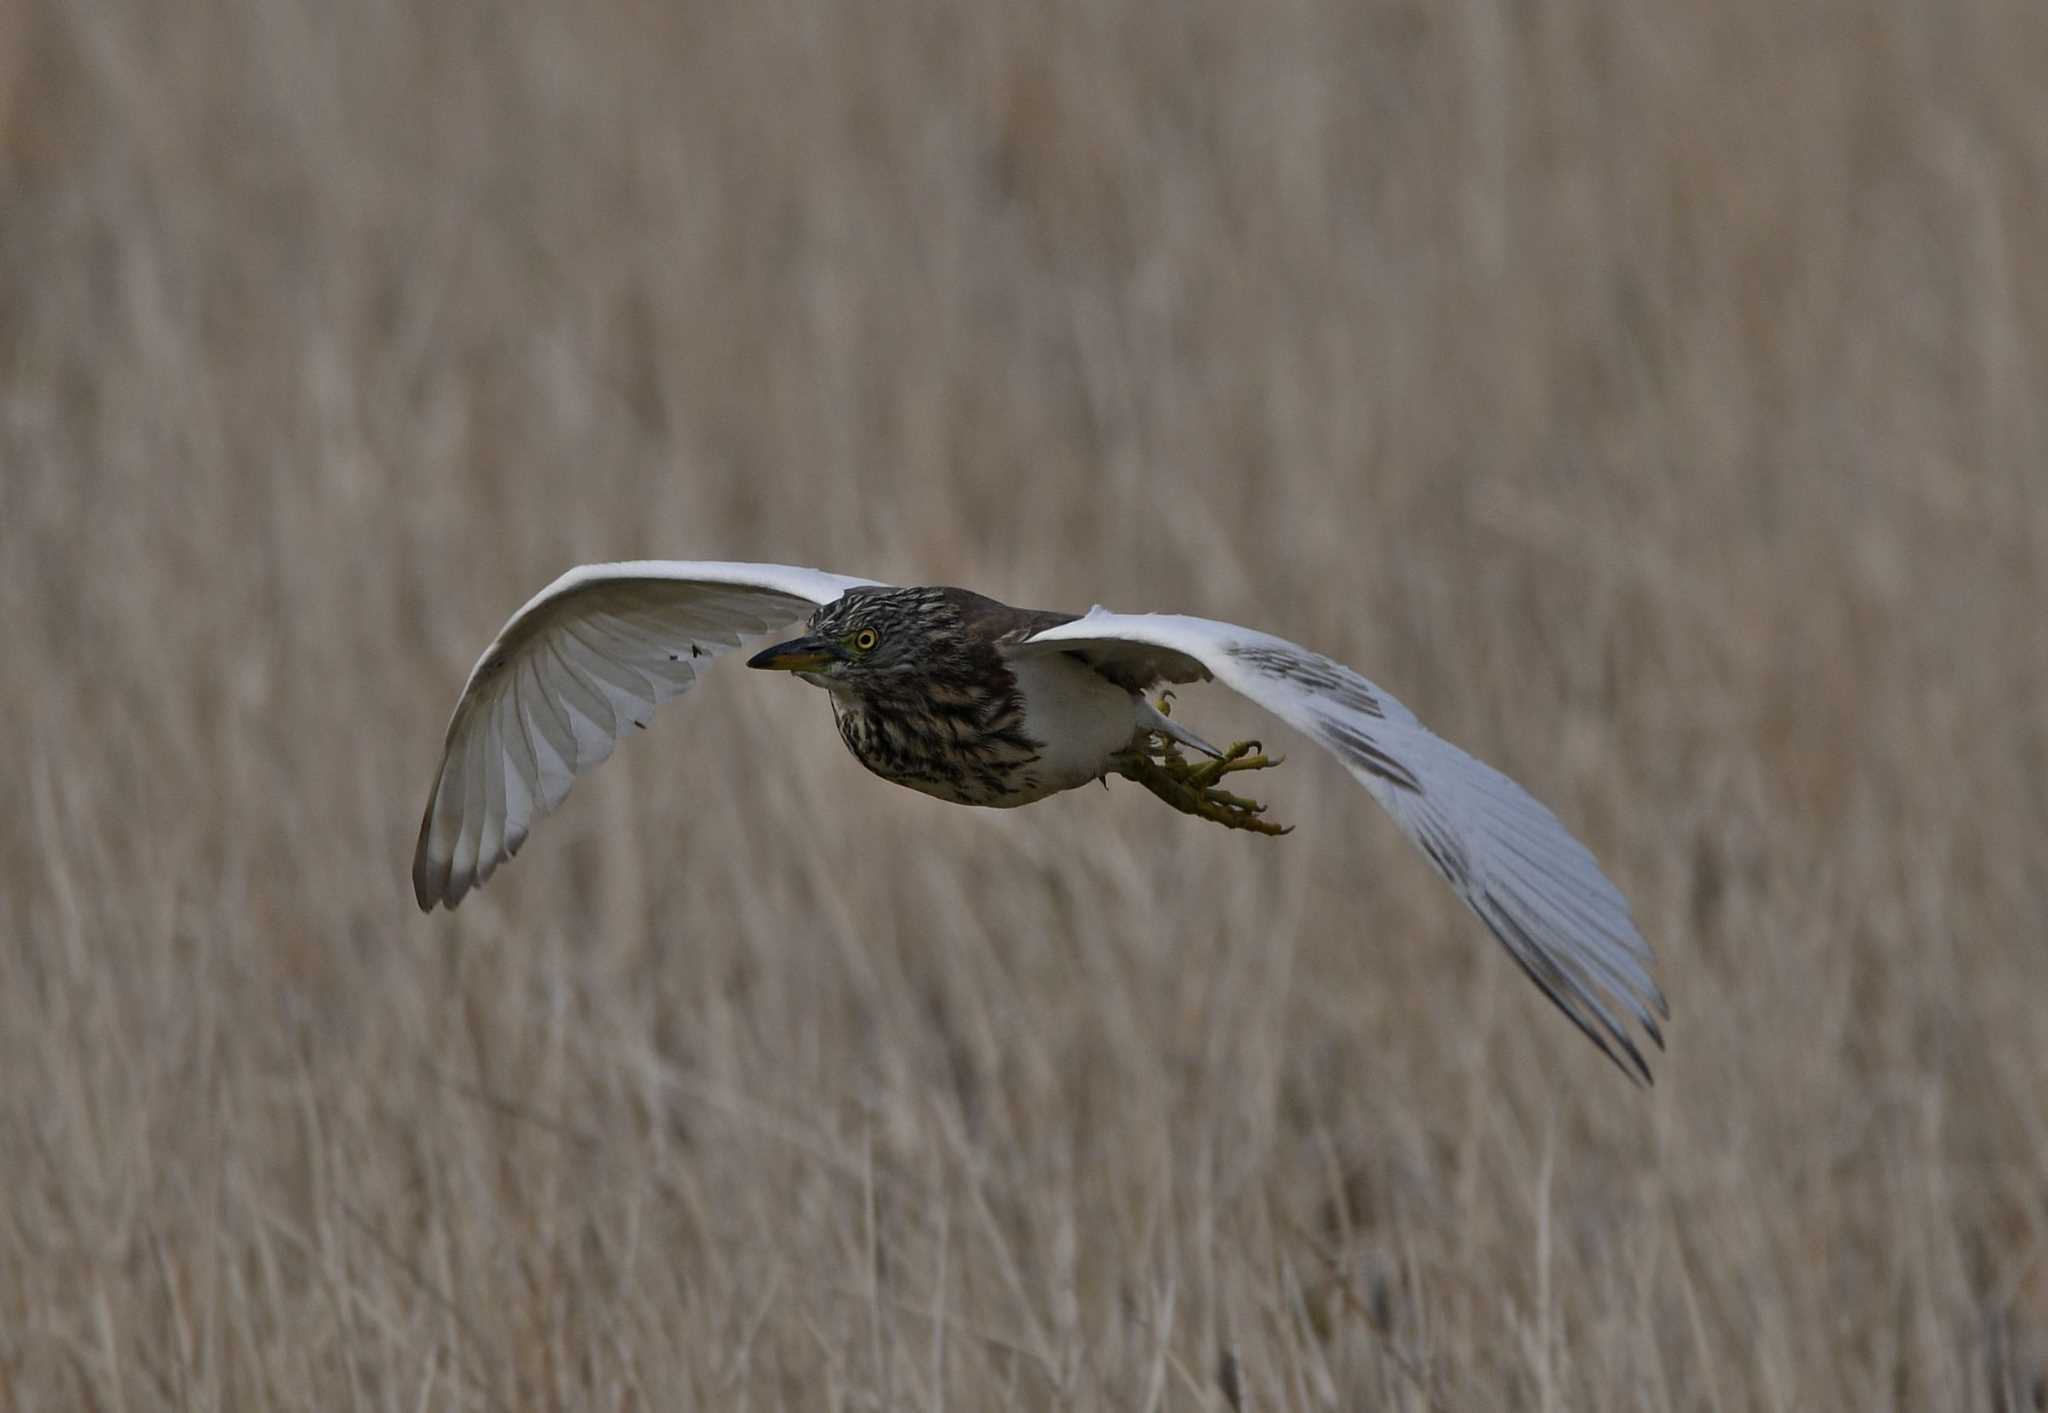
<point>1081,716</point>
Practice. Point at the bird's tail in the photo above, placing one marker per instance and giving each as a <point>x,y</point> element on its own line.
<point>1150,718</point>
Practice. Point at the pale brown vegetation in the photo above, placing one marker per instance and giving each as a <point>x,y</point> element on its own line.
<point>1655,397</point>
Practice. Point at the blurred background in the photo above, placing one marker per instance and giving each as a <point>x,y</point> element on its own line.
<point>1654,397</point>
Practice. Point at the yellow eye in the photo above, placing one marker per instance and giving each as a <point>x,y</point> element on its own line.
<point>864,641</point>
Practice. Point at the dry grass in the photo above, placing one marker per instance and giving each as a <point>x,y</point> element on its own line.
<point>1655,397</point>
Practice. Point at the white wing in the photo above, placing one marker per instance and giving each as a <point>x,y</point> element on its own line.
<point>588,659</point>
<point>1534,885</point>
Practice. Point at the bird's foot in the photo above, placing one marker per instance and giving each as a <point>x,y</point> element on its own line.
<point>1192,789</point>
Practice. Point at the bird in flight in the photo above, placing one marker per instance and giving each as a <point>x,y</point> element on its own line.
<point>978,703</point>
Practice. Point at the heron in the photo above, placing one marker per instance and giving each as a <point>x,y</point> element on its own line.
<point>974,702</point>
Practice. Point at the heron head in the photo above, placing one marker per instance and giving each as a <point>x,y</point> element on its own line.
<point>863,637</point>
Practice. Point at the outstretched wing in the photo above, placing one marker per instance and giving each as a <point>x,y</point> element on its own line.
<point>588,659</point>
<point>1536,887</point>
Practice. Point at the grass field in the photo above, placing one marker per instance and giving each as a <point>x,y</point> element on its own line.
<point>1654,397</point>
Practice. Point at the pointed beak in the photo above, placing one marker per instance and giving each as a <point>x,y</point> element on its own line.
<point>799,655</point>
